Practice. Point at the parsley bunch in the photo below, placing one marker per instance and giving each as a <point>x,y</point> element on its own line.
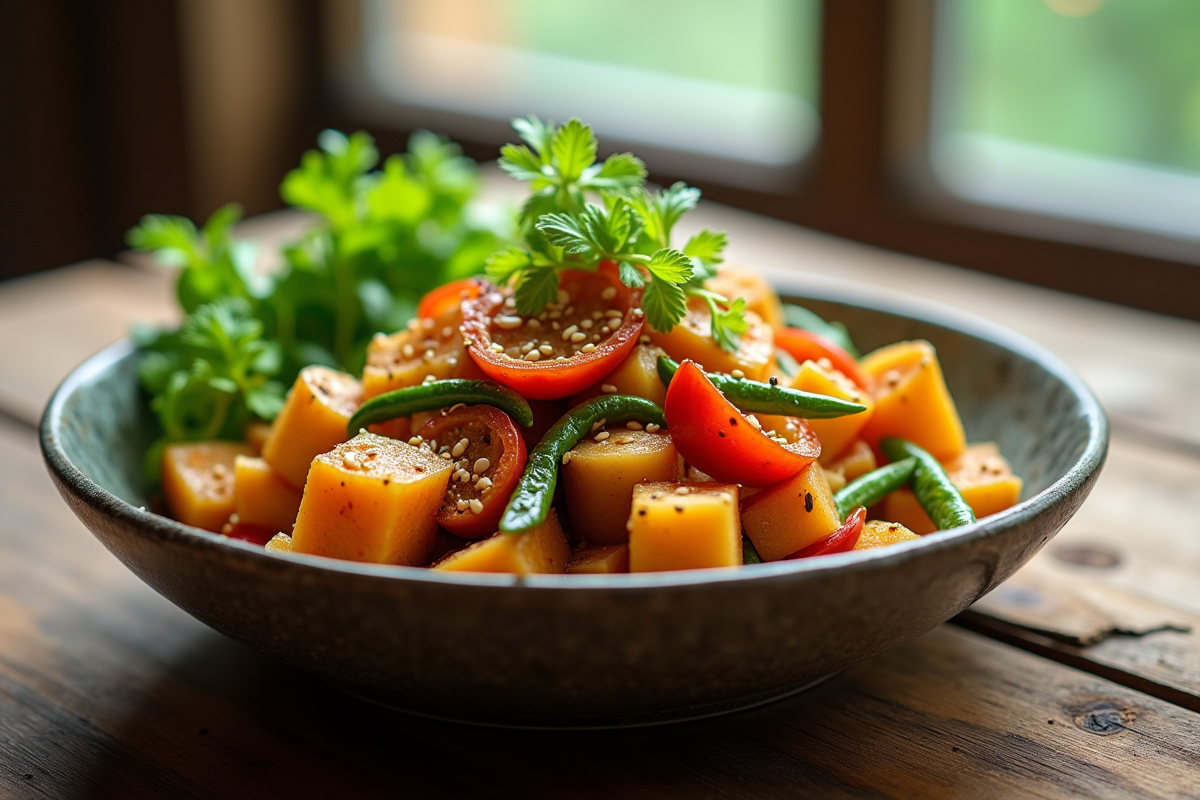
<point>631,226</point>
<point>381,238</point>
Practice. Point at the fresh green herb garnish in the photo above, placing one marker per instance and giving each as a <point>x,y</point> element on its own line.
<point>381,239</point>
<point>630,227</point>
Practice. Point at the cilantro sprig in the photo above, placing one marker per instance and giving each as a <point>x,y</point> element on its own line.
<point>382,236</point>
<point>631,226</point>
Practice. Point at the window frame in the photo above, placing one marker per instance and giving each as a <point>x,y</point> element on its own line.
<point>868,177</point>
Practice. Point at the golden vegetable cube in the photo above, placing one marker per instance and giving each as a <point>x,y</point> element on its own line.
<point>197,481</point>
<point>879,533</point>
<point>262,497</point>
<point>692,338</point>
<point>791,515</point>
<point>980,473</point>
<point>684,526</point>
<point>912,401</point>
<point>857,460</point>
<point>598,480</point>
<point>313,421</point>
<point>426,347</point>
<point>541,549</point>
<point>601,560</point>
<point>372,499</point>
<point>836,433</point>
<point>279,543</point>
<point>636,375</point>
<point>255,433</point>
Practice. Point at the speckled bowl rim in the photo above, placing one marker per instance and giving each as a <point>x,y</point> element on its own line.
<point>799,287</point>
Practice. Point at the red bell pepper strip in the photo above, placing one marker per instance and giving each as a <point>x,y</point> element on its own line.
<point>717,439</point>
<point>840,541</point>
<point>805,345</point>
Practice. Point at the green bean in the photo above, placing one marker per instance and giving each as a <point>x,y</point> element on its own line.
<point>836,332</point>
<point>749,553</point>
<point>869,489</point>
<point>936,493</point>
<point>755,396</point>
<point>530,501</point>
<point>440,394</point>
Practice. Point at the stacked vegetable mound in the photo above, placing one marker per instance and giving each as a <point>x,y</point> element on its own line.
<point>600,401</point>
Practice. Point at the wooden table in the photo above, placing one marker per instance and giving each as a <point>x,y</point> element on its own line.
<point>1078,677</point>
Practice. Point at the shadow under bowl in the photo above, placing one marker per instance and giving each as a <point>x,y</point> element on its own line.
<point>570,651</point>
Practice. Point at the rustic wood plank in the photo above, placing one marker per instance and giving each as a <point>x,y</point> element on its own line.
<point>106,688</point>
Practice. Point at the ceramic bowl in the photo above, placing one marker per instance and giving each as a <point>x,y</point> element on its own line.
<point>607,649</point>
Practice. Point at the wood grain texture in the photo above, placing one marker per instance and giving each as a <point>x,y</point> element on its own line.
<point>107,689</point>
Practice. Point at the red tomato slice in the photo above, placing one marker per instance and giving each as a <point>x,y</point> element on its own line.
<point>469,511</point>
<point>805,345</point>
<point>717,439</point>
<point>444,298</point>
<point>249,532</point>
<point>840,541</point>
<point>579,330</point>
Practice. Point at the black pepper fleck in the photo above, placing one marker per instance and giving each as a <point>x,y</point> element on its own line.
<point>808,501</point>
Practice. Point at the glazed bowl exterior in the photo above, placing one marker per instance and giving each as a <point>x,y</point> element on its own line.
<point>603,648</point>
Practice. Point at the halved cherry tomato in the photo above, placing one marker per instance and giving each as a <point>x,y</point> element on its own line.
<point>567,347</point>
<point>248,532</point>
<point>442,299</point>
<point>840,541</point>
<point>491,436</point>
<point>805,345</point>
<point>716,438</point>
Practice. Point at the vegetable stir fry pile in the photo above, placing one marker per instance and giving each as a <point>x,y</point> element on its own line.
<point>601,399</point>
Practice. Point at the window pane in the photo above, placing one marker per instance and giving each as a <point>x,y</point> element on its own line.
<point>1080,108</point>
<point>735,79</point>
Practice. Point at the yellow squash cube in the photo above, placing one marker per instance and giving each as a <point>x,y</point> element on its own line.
<point>602,560</point>
<point>542,549</point>
<point>878,533</point>
<point>912,401</point>
<point>197,481</point>
<point>598,480</point>
<point>426,347</point>
<point>313,420</point>
<point>791,515</point>
<point>262,497</point>
<point>736,280</point>
<point>684,526</point>
<point>835,434</point>
<point>372,499</point>
<point>980,473</point>
<point>692,338</point>
<point>857,460</point>
<point>636,375</point>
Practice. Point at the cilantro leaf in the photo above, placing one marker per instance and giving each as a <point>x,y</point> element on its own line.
<point>664,303</point>
<point>535,289</point>
<point>504,264</point>
<point>671,266</point>
<point>570,232</point>
<point>729,324</point>
<point>574,149</point>
<point>520,163</point>
<point>630,275</point>
<point>536,133</point>
<point>618,172</point>
<point>706,246</point>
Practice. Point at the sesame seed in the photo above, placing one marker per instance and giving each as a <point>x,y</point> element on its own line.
<point>598,424</point>
<point>532,355</point>
<point>609,293</point>
<point>555,314</point>
<point>413,324</point>
<point>737,373</point>
<point>824,363</point>
<point>637,312</point>
<point>586,324</point>
<point>407,350</point>
<point>429,354</point>
<point>467,342</point>
<point>563,297</point>
<point>587,348</point>
<point>461,505</point>
<point>219,470</point>
<point>545,349</point>
<point>527,346</point>
<point>379,338</point>
<point>644,339</point>
<point>349,461</point>
<point>509,322</point>
<point>496,347</point>
<point>447,332</point>
<point>604,330</point>
<point>483,483</point>
<point>511,302</point>
<point>481,466</point>
<point>779,440</point>
<point>578,336</point>
<point>569,332</point>
<point>429,379</point>
<point>595,337</point>
<point>633,425</point>
<point>456,407</point>
<point>601,436</point>
<point>475,506</point>
<point>682,490</point>
<point>535,323</point>
<point>608,388</point>
<point>653,428</point>
<point>427,324</point>
<point>566,459</point>
<point>597,314</point>
<point>754,423</point>
<point>445,456</point>
<point>726,497</point>
<point>461,447</point>
<point>416,440</point>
